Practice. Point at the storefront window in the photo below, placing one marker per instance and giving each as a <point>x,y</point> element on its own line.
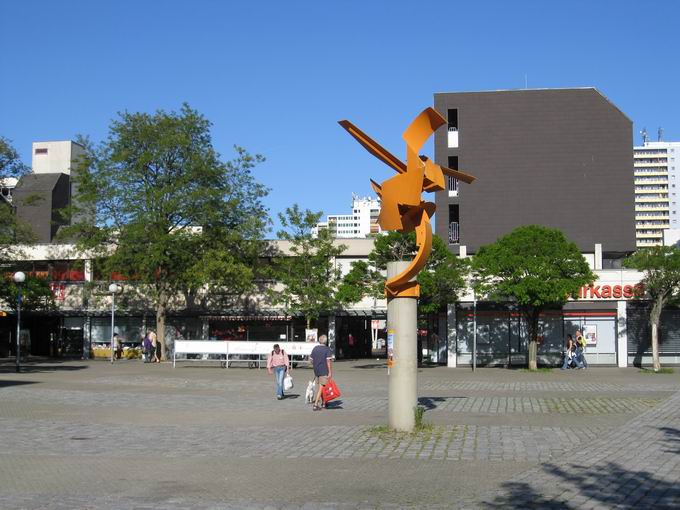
<point>129,328</point>
<point>252,330</point>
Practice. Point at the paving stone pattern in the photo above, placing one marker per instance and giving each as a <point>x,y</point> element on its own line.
<point>575,387</point>
<point>634,466</point>
<point>576,404</point>
<point>59,423</point>
<point>465,442</point>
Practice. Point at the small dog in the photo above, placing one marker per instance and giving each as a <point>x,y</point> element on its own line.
<point>309,394</point>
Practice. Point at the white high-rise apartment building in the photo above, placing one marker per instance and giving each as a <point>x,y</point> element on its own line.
<point>656,191</point>
<point>362,222</point>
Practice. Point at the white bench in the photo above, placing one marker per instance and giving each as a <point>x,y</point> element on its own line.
<point>199,347</point>
<point>234,350</point>
<point>298,352</point>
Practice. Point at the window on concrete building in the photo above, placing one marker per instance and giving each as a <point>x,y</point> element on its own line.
<point>453,119</point>
<point>41,151</point>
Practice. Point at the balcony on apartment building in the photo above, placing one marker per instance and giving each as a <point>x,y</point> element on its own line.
<point>454,233</point>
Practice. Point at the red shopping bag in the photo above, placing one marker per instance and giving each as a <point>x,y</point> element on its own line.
<point>330,391</point>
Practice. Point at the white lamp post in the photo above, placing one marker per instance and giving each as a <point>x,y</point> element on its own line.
<point>113,288</point>
<point>19,279</point>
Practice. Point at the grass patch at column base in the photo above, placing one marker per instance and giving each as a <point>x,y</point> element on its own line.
<point>660,371</point>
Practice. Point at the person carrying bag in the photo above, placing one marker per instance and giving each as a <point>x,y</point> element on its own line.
<point>279,364</point>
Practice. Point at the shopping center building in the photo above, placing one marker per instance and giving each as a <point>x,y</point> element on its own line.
<point>612,313</point>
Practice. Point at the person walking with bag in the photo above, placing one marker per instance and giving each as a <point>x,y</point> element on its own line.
<point>322,361</point>
<point>278,364</point>
<point>581,349</point>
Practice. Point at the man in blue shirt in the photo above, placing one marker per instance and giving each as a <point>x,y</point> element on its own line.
<point>322,360</point>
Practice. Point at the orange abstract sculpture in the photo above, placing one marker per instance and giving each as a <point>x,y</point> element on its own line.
<point>402,208</point>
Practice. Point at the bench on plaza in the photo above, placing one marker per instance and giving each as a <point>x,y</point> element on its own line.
<point>201,347</point>
<point>230,351</point>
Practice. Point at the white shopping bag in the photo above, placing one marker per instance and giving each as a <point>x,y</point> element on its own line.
<point>287,382</point>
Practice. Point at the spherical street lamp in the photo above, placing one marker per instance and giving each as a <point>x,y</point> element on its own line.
<point>113,289</point>
<point>19,279</point>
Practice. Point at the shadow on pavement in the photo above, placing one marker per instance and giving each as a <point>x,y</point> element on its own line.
<point>430,403</point>
<point>334,404</point>
<point>39,366</point>
<point>610,485</point>
<point>5,384</point>
<point>371,365</point>
<point>673,437</point>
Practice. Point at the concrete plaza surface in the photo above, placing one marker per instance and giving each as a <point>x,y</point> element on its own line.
<point>88,434</point>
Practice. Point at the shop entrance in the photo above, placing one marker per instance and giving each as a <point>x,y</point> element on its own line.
<point>355,340</point>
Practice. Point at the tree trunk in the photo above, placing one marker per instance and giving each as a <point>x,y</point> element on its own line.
<point>309,323</point>
<point>533,339</point>
<point>655,318</point>
<point>161,309</point>
<point>533,349</point>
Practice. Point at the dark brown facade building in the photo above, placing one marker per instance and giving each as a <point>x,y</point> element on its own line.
<point>561,158</point>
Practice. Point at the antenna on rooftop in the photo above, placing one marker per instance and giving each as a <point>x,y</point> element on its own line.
<point>659,134</point>
<point>644,136</point>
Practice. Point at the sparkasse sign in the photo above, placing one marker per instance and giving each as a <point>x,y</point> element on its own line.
<point>611,291</point>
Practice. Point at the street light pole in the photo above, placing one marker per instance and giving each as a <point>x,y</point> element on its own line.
<point>113,288</point>
<point>19,279</point>
<point>474,333</point>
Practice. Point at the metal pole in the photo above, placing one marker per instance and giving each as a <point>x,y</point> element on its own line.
<point>19,329</point>
<point>113,309</point>
<point>474,333</point>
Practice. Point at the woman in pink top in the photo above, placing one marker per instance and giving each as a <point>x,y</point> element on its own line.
<point>279,364</point>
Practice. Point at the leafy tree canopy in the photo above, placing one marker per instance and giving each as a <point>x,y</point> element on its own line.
<point>440,281</point>
<point>535,266</point>
<point>308,277</point>
<point>10,163</point>
<point>35,293</point>
<point>13,235</point>
<point>177,215</point>
<point>12,231</point>
<point>660,266</point>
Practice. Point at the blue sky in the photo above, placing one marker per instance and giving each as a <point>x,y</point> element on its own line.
<point>275,76</point>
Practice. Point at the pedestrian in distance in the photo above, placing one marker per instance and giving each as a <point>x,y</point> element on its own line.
<point>146,349</point>
<point>570,360</point>
<point>117,346</point>
<point>155,346</point>
<point>581,349</point>
<point>278,364</point>
<point>567,352</point>
<point>322,362</point>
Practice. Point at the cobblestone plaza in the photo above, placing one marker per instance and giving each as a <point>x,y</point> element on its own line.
<point>93,435</point>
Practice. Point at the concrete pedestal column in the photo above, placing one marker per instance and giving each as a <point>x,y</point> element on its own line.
<point>402,325</point>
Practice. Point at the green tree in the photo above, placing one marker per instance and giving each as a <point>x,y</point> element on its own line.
<point>10,163</point>
<point>661,268</point>
<point>536,267</point>
<point>13,233</point>
<point>359,282</point>
<point>307,275</point>
<point>441,281</point>
<point>35,293</point>
<point>159,205</point>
